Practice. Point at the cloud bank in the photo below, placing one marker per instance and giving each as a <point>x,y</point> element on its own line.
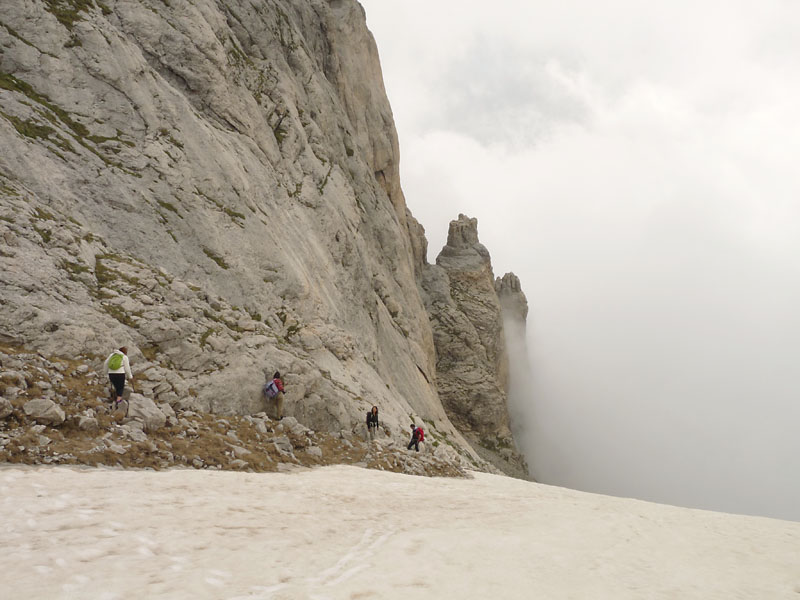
<point>634,165</point>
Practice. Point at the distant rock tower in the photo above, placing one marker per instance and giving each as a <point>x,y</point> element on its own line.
<point>471,358</point>
<point>512,298</point>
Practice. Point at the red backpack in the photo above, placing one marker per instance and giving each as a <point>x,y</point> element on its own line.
<point>421,434</point>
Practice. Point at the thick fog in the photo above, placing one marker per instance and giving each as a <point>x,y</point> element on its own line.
<point>635,165</point>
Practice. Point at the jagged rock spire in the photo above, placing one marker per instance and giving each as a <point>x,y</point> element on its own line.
<point>512,298</point>
<point>463,250</point>
<point>463,232</point>
<point>471,357</point>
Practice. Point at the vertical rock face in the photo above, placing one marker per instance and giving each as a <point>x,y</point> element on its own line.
<point>471,359</point>
<point>514,306</point>
<point>215,185</point>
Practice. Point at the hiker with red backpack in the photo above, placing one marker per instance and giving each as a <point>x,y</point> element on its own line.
<point>417,436</point>
<point>273,390</point>
<point>119,369</point>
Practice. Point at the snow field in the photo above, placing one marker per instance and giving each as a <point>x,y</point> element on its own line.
<point>344,532</point>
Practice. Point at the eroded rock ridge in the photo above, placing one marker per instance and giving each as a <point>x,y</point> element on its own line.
<point>471,353</point>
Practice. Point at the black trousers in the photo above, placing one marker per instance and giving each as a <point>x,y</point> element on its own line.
<point>414,442</point>
<point>118,381</point>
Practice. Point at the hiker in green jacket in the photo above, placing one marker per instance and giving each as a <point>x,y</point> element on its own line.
<point>119,369</point>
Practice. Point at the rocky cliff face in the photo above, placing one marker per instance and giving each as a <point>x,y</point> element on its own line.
<point>514,307</point>
<point>471,357</point>
<point>216,186</point>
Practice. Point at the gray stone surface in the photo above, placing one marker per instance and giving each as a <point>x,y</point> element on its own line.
<point>145,411</point>
<point>291,424</point>
<point>6,408</point>
<point>117,449</point>
<point>87,423</point>
<point>239,451</point>
<point>11,392</point>
<point>167,410</point>
<point>283,445</point>
<point>133,433</point>
<point>44,411</point>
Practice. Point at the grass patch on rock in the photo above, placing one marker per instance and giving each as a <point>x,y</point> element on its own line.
<point>69,12</point>
<point>168,206</point>
<point>79,131</point>
<point>216,258</point>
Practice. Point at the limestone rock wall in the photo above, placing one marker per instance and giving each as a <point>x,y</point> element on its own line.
<point>471,355</point>
<point>216,186</point>
<point>521,405</point>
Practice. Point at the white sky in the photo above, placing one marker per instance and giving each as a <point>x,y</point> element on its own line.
<point>635,165</point>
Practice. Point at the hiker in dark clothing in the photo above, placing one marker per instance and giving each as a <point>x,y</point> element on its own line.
<point>417,436</point>
<point>372,423</point>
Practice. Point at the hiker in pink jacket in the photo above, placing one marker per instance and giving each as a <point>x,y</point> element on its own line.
<point>274,390</point>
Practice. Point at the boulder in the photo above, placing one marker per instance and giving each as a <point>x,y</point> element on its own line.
<point>44,411</point>
<point>293,425</point>
<point>16,378</point>
<point>11,392</point>
<point>134,433</point>
<point>283,445</point>
<point>87,423</point>
<point>168,411</point>
<point>145,410</point>
<point>239,451</point>
<point>6,408</point>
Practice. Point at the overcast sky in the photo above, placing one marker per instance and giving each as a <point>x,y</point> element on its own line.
<point>636,164</point>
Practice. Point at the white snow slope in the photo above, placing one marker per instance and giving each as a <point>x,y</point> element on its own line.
<point>344,532</point>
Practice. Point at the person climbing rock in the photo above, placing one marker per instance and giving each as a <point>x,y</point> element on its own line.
<point>119,370</point>
<point>372,423</point>
<point>417,436</point>
<point>273,390</point>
